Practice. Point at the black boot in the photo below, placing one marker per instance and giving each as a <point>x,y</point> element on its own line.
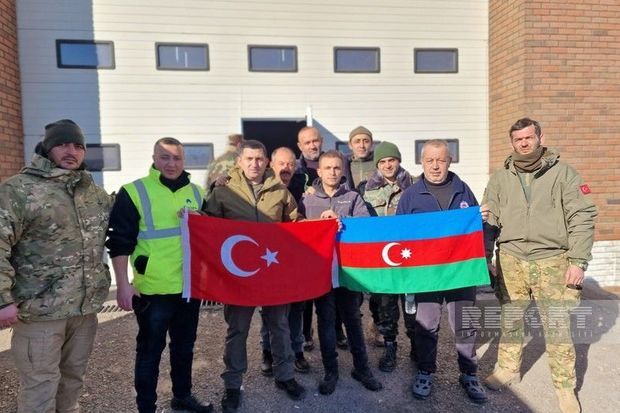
<point>231,400</point>
<point>328,384</point>
<point>266,366</point>
<point>387,363</point>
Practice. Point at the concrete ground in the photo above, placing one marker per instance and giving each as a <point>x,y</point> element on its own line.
<point>109,382</point>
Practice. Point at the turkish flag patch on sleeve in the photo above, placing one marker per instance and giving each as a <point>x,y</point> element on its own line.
<point>585,189</point>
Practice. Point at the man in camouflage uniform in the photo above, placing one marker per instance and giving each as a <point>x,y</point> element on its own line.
<point>382,193</point>
<point>223,163</point>
<point>360,164</point>
<point>53,220</point>
<point>543,222</point>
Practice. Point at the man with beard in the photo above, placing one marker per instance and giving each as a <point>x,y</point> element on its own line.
<point>53,219</point>
<point>542,220</point>
<point>283,164</point>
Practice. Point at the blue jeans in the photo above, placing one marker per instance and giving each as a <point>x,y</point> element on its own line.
<point>158,315</point>
<point>347,304</point>
<point>295,325</point>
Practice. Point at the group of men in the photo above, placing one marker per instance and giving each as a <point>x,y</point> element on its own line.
<point>54,222</point>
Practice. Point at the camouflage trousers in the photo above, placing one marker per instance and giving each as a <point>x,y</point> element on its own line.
<point>543,281</point>
<point>388,314</point>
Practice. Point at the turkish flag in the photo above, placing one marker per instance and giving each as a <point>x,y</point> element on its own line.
<point>256,264</point>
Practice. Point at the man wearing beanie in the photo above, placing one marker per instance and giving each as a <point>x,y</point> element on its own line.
<point>382,193</point>
<point>359,164</point>
<point>53,220</point>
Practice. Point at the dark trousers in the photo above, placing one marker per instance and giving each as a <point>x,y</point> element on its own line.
<point>428,318</point>
<point>157,316</point>
<point>239,319</point>
<point>388,315</point>
<point>347,304</point>
<point>295,325</point>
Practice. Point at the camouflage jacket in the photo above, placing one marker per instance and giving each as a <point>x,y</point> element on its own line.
<point>220,166</point>
<point>382,197</point>
<point>52,230</point>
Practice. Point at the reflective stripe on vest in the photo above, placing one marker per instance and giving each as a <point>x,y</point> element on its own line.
<point>151,232</point>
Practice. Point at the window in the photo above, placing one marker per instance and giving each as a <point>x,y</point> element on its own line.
<point>84,54</point>
<point>176,56</point>
<point>272,58</point>
<point>103,157</point>
<point>198,155</point>
<point>436,60</point>
<point>344,147</point>
<point>453,147</point>
<point>356,59</point>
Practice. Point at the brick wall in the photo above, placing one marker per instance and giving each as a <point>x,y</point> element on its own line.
<point>11,133</point>
<point>557,61</point>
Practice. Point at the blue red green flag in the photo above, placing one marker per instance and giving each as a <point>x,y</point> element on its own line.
<point>433,251</point>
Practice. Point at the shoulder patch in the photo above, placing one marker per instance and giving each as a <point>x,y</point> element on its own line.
<point>585,189</point>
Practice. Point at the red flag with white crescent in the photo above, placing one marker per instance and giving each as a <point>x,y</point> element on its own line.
<point>257,264</point>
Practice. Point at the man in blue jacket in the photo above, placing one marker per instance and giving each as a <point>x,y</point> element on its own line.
<point>439,189</point>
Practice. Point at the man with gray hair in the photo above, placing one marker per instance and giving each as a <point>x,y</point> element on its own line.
<point>437,190</point>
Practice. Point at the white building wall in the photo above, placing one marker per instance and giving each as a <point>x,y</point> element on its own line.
<point>135,104</point>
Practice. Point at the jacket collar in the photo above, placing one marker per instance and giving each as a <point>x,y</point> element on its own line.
<point>457,185</point>
<point>376,180</point>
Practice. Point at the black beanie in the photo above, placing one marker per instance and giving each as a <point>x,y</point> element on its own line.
<point>62,131</point>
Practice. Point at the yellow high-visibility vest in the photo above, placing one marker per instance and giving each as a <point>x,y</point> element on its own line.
<point>159,238</point>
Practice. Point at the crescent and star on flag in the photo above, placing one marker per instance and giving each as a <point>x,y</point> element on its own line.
<point>405,254</point>
<point>271,257</point>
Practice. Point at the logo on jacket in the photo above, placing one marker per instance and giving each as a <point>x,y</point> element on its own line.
<point>585,189</point>
<point>463,204</point>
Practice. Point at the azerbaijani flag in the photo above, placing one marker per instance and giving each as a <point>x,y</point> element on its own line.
<point>432,251</point>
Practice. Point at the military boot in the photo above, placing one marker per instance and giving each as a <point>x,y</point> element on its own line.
<point>568,401</point>
<point>387,363</point>
<point>501,378</point>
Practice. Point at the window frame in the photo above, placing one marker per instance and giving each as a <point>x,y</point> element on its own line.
<point>158,65</point>
<point>347,48</point>
<point>196,145</point>
<point>263,46</point>
<point>435,49</point>
<point>60,42</point>
<point>103,146</point>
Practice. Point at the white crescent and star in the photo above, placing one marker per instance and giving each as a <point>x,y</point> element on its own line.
<point>405,254</point>
<point>229,243</point>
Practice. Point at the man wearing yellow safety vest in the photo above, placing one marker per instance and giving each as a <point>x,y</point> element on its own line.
<point>145,232</point>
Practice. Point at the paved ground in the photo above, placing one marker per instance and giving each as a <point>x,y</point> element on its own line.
<point>109,381</point>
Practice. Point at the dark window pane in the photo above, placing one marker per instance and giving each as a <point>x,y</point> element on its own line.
<point>183,57</point>
<point>85,54</point>
<point>103,157</point>
<point>356,60</point>
<point>273,59</point>
<point>436,61</point>
<point>198,155</point>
